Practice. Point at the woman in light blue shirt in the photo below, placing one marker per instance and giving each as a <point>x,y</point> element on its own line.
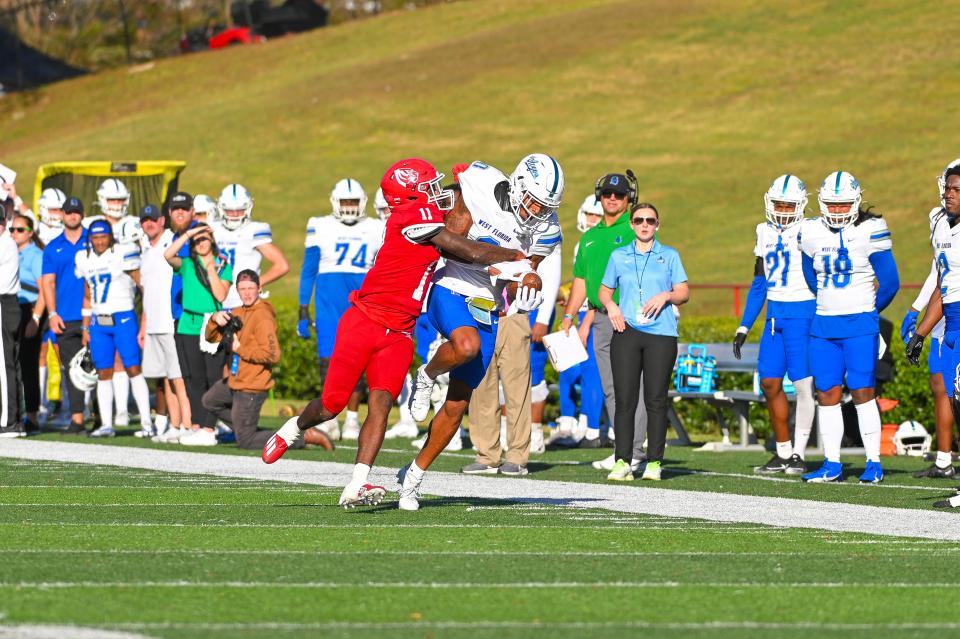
<point>32,315</point>
<point>651,281</point>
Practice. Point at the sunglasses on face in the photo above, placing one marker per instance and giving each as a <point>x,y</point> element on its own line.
<point>637,221</point>
<point>618,196</point>
<point>20,229</point>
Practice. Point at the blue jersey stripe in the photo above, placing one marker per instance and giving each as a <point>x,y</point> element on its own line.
<point>267,234</point>
<point>548,241</point>
<point>880,235</point>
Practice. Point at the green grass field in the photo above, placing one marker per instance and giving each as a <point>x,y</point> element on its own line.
<point>165,555</point>
<point>707,101</point>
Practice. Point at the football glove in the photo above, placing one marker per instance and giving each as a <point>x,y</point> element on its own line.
<point>528,299</point>
<point>303,325</point>
<point>738,341</point>
<point>915,348</point>
<point>909,325</point>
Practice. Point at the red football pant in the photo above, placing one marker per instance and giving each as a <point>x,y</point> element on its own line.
<point>364,345</point>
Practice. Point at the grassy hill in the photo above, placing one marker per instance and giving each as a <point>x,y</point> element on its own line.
<point>707,101</point>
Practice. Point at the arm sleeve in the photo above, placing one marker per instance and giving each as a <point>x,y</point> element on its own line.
<point>550,272</point>
<point>927,289</point>
<point>885,268</point>
<point>880,239</point>
<point>809,273</point>
<point>755,300</point>
<point>308,274</point>
<point>262,235</point>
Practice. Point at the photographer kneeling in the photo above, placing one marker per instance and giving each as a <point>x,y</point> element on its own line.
<point>249,335</point>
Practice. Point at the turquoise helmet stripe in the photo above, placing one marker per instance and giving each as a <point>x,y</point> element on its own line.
<point>556,177</point>
<point>836,187</point>
<point>786,181</point>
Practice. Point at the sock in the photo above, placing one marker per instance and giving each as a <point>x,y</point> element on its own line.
<point>141,396</point>
<point>353,416</point>
<point>806,410</point>
<point>784,450</point>
<point>121,391</point>
<point>43,385</point>
<point>868,417</point>
<point>105,399</point>
<point>360,473</point>
<point>944,459</point>
<point>290,431</point>
<point>831,431</point>
<point>415,473</point>
<point>161,422</point>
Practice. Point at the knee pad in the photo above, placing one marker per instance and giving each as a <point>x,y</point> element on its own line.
<point>539,392</point>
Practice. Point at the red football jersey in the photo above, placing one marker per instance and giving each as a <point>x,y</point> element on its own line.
<point>393,290</point>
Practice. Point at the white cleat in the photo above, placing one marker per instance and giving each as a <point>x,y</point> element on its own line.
<point>145,433</point>
<point>403,428</point>
<point>103,431</point>
<point>331,427</point>
<point>409,490</point>
<point>564,432</point>
<point>607,464</point>
<point>420,392</point>
<point>537,445</point>
<point>357,494</point>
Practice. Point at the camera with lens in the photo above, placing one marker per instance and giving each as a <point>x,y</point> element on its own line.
<point>228,330</point>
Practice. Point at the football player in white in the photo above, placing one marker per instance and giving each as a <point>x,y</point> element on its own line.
<point>50,209</point>
<point>111,275</point>
<point>465,301</point>
<point>205,209</point>
<point>245,242</point>
<point>778,281</point>
<point>380,205</point>
<point>339,250</point>
<point>844,251</point>
<point>941,289</point>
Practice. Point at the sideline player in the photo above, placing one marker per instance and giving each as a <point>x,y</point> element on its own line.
<point>111,275</point>
<point>338,252</point>
<point>465,302</point>
<point>778,280</point>
<point>375,333</point>
<point>843,251</point>
<point>244,242</point>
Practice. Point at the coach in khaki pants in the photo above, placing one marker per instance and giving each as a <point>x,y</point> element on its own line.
<point>511,365</point>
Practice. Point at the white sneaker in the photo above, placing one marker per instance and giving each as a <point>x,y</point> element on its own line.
<point>403,428</point>
<point>358,494</point>
<point>145,433</point>
<point>420,391</point>
<point>409,490</point>
<point>122,419</point>
<point>103,431</point>
<point>566,426</point>
<point>351,430</point>
<point>607,464</point>
<point>331,427</point>
<point>537,445</point>
<point>201,437</point>
<point>171,436</point>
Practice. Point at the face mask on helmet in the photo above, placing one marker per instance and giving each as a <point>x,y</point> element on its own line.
<point>51,200</point>
<point>113,198</point>
<point>205,205</point>
<point>415,180</point>
<point>785,201</point>
<point>590,214</point>
<point>235,206</point>
<point>380,205</point>
<point>82,372</point>
<point>912,439</point>
<point>349,201</point>
<point>536,190</point>
<point>842,191</point>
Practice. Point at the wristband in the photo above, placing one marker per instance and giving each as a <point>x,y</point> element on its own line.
<point>36,318</point>
<point>52,313</point>
<point>86,329</point>
<point>87,312</point>
<point>567,316</point>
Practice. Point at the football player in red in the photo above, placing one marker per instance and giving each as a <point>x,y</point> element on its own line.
<point>374,335</point>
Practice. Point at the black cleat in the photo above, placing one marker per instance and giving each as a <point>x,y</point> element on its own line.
<point>796,466</point>
<point>953,502</point>
<point>74,429</point>
<point>775,465</point>
<point>589,443</point>
<point>935,472</point>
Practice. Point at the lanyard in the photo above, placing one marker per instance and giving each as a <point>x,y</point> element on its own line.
<point>642,271</point>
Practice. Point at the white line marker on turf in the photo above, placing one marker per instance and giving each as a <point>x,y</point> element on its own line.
<point>713,506</point>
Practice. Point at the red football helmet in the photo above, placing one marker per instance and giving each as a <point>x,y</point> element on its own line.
<point>415,180</point>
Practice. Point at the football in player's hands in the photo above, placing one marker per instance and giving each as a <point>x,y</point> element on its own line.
<point>530,280</point>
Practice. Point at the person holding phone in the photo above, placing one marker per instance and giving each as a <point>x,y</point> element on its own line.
<point>650,278</point>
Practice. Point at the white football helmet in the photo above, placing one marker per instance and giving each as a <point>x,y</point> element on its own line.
<point>83,374</point>
<point>590,206</point>
<point>790,189</point>
<point>206,205</point>
<point>942,180</point>
<point>348,189</point>
<point>538,178</point>
<point>380,205</point>
<point>51,199</point>
<point>234,198</point>
<point>912,439</point>
<point>113,189</point>
<point>840,187</point>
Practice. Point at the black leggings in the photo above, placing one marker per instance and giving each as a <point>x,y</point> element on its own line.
<point>200,372</point>
<point>634,353</point>
<point>30,359</point>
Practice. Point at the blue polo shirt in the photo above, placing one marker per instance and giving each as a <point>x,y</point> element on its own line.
<point>59,259</point>
<point>639,276</point>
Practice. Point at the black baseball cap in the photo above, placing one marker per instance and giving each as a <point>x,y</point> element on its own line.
<point>150,212</point>
<point>73,205</point>
<point>614,183</point>
<point>181,200</point>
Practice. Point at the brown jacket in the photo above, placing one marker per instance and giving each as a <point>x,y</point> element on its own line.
<point>259,347</point>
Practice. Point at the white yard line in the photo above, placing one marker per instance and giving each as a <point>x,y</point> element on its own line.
<point>721,507</point>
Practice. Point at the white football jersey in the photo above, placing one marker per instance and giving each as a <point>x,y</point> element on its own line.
<point>845,277</point>
<point>493,225</point>
<point>946,253</point>
<point>782,263</point>
<point>111,288</point>
<point>239,247</point>
<point>923,299</point>
<point>48,233</point>
<point>345,248</point>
